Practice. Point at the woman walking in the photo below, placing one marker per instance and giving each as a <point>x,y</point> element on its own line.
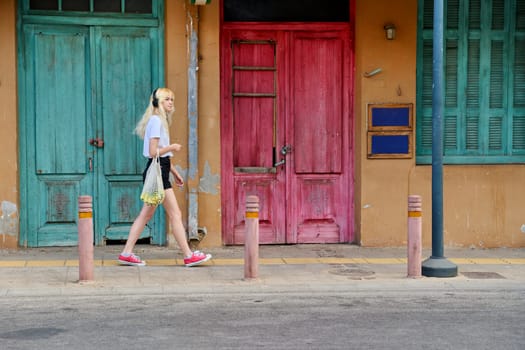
<point>153,128</point>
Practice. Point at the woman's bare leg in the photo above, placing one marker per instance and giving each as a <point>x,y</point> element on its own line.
<point>138,226</point>
<point>172,209</point>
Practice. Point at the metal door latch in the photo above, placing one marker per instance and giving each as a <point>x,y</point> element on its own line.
<point>98,142</point>
<point>281,162</point>
<point>284,151</point>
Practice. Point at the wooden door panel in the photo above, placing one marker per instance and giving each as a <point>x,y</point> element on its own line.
<point>319,115</point>
<point>56,131</point>
<point>60,100</point>
<point>253,94</point>
<point>252,118</point>
<point>126,80</point>
<point>270,216</point>
<point>253,122</point>
<point>320,211</point>
<point>318,105</point>
<point>57,210</point>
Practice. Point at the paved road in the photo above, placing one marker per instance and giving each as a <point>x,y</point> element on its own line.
<point>307,297</point>
<point>393,318</point>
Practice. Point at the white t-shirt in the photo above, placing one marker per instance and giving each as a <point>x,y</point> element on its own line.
<point>154,129</point>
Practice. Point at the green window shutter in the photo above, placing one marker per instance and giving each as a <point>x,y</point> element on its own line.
<point>520,16</point>
<point>424,120</point>
<point>451,74</point>
<point>472,133</point>
<point>473,74</point>
<point>498,14</point>
<point>452,19</point>
<point>484,116</point>
<point>518,135</point>
<point>497,82</point>
<point>472,96</point>
<point>450,127</point>
<point>518,89</point>
<point>474,15</point>
<point>519,75</point>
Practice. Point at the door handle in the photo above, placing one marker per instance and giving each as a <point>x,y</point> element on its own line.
<point>98,142</point>
<point>284,151</point>
<point>281,162</point>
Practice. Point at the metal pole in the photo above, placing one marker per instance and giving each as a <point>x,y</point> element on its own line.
<point>193,125</point>
<point>85,238</point>
<point>437,265</point>
<point>251,239</point>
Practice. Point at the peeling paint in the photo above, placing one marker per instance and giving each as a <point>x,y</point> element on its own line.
<point>9,219</point>
<point>193,213</point>
<point>209,183</point>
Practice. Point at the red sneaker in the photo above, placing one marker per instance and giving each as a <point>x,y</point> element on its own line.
<point>196,258</point>
<point>131,260</point>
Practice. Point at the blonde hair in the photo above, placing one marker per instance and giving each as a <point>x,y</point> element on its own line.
<point>165,117</point>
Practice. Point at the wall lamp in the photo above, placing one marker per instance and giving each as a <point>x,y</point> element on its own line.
<point>390,31</point>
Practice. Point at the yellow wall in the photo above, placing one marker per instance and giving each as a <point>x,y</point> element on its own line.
<point>208,181</point>
<point>382,184</point>
<point>209,123</point>
<point>9,131</point>
<point>482,204</point>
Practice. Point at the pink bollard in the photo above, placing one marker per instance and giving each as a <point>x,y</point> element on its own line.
<point>85,238</point>
<point>414,236</point>
<point>251,238</point>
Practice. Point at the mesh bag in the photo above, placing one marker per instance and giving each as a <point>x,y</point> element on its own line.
<point>153,190</point>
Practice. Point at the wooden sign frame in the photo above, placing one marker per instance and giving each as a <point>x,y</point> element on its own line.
<point>390,130</point>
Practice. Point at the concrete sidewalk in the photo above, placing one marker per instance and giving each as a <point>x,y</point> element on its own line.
<point>54,271</point>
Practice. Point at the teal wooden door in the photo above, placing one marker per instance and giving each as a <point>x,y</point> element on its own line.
<point>126,60</point>
<point>58,121</point>
<point>82,83</point>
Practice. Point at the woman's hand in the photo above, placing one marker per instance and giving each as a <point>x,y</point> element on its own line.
<point>179,181</point>
<point>175,147</point>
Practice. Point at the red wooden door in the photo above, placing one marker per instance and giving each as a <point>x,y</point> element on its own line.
<point>284,130</point>
<point>318,132</point>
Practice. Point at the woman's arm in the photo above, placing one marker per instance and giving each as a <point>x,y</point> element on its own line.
<point>154,144</point>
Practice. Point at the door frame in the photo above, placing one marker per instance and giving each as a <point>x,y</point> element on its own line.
<point>26,17</point>
<point>227,182</point>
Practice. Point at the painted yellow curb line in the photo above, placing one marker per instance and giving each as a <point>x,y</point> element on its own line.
<point>263,261</point>
<point>13,263</point>
<point>515,261</point>
<point>46,263</point>
<point>162,262</point>
<point>268,261</point>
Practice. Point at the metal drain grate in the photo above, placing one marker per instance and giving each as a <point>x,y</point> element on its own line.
<point>483,275</point>
<point>352,272</point>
